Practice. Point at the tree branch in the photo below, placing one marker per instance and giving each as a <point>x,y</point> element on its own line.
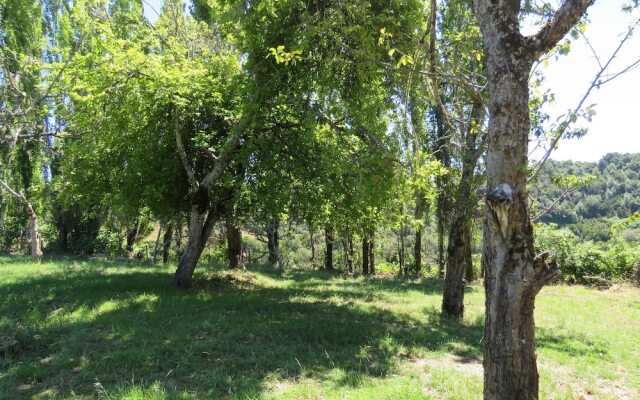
<point>183,154</point>
<point>559,25</point>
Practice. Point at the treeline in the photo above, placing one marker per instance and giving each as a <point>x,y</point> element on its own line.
<point>593,207</point>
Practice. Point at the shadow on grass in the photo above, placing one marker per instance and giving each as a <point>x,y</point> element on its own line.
<point>93,327</point>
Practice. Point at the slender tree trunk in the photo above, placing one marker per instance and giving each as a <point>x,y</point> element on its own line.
<point>234,244</point>
<point>34,233</point>
<point>462,205</point>
<point>417,247</point>
<point>401,250</point>
<point>273,241</point>
<point>201,222</point>
<point>349,252</point>
<point>313,246</point>
<point>166,242</point>
<point>132,235</point>
<point>328,259</point>
<point>372,256</point>
<point>156,246</point>
<point>365,255</point>
<point>514,275</point>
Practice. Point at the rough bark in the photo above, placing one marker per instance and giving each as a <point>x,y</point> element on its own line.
<point>514,275</point>
<point>462,206</point>
<point>234,244</point>
<point>328,258</point>
<point>201,221</point>
<point>273,241</point>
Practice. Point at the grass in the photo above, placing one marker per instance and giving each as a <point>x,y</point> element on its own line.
<point>106,330</point>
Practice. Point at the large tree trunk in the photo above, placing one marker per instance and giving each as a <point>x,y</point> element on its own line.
<point>328,259</point>
<point>514,275</point>
<point>201,222</point>
<point>273,241</point>
<point>234,244</point>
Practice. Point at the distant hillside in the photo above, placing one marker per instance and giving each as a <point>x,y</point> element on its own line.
<point>590,211</point>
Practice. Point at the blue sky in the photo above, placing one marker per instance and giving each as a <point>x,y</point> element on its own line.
<point>614,127</point>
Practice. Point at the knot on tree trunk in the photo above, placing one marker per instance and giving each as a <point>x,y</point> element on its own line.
<point>545,271</point>
<point>500,200</point>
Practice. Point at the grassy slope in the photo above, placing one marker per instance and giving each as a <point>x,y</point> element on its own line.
<point>120,331</point>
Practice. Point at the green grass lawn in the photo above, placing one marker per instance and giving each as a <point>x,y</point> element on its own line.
<point>106,330</point>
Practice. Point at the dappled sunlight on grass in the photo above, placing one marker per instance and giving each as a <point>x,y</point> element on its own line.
<point>97,330</point>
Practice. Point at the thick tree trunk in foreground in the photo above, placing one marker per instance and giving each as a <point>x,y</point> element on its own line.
<point>328,258</point>
<point>514,275</point>
<point>273,241</point>
<point>234,245</point>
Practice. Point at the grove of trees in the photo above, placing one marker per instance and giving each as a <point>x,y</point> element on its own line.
<point>363,132</point>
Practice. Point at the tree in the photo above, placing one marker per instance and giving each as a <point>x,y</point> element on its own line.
<point>514,273</point>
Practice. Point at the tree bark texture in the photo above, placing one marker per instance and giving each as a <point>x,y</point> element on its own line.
<point>234,244</point>
<point>514,275</point>
<point>273,241</point>
<point>201,221</point>
<point>462,205</point>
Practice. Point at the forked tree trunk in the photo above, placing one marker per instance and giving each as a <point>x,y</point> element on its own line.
<point>234,245</point>
<point>201,222</point>
<point>328,258</point>
<point>273,241</point>
<point>514,275</point>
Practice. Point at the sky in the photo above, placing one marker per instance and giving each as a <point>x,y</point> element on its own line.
<point>614,128</point>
